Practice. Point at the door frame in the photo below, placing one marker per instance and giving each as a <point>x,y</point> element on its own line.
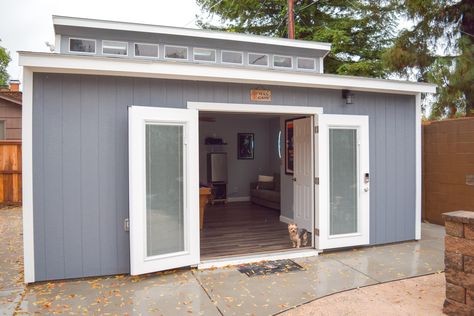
<point>138,118</point>
<point>246,108</point>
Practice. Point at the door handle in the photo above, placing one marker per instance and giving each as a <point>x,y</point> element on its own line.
<point>294,179</point>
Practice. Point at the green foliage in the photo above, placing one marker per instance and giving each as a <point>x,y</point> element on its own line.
<point>359,30</point>
<point>438,49</point>
<point>4,61</point>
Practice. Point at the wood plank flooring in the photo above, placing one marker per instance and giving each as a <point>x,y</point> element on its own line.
<point>242,228</point>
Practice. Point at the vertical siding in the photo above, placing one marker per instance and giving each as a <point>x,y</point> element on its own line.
<point>80,161</point>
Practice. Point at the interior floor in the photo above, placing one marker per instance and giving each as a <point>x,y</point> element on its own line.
<point>242,228</point>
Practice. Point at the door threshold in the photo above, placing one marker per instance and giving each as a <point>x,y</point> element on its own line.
<point>232,261</point>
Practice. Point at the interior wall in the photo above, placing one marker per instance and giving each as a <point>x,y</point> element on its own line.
<point>240,172</point>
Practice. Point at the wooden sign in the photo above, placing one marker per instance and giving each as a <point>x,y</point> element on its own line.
<point>260,95</point>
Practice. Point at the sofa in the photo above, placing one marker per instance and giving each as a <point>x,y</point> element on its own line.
<point>267,195</point>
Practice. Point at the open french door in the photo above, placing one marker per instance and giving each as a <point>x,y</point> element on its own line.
<point>163,188</point>
<point>343,171</point>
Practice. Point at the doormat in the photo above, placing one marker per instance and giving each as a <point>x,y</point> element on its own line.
<point>269,267</point>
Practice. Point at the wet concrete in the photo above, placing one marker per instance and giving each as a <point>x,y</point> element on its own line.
<point>212,292</point>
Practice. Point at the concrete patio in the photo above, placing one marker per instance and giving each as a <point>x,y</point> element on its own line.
<point>223,291</point>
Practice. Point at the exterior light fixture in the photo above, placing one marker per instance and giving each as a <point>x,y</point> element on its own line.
<point>348,96</point>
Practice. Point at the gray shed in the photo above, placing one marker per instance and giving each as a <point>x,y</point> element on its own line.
<point>119,122</point>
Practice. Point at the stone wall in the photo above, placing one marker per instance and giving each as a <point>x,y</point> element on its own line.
<point>459,261</point>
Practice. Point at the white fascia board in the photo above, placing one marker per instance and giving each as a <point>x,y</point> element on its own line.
<point>158,29</point>
<point>57,63</point>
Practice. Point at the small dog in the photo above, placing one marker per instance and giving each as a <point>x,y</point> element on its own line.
<point>299,237</point>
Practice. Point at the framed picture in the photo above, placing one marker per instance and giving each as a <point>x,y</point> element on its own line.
<point>289,152</point>
<point>245,146</point>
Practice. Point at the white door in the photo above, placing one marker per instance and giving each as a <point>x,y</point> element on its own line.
<point>343,180</point>
<point>303,175</point>
<point>163,188</point>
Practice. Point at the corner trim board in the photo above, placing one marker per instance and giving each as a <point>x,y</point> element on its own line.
<point>418,169</point>
<point>27,165</point>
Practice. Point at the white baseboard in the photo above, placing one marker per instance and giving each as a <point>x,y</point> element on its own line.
<point>238,199</point>
<point>285,219</point>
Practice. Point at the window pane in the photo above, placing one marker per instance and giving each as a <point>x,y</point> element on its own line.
<point>176,52</point>
<point>81,45</point>
<point>203,54</point>
<point>282,61</point>
<point>146,50</point>
<point>306,63</point>
<point>2,130</point>
<point>164,189</point>
<point>114,48</point>
<point>343,189</point>
<point>232,57</point>
<point>258,59</point>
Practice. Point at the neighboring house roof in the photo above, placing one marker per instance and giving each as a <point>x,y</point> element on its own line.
<point>12,96</point>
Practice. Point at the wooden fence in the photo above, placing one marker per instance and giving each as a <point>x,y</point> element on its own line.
<point>10,173</point>
<point>448,168</point>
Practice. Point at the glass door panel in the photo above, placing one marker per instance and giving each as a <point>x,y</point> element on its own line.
<point>343,176</point>
<point>164,189</point>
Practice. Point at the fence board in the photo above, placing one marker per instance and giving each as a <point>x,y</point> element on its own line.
<point>448,163</point>
<point>10,173</point>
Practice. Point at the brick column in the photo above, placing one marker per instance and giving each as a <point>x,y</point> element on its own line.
<point>459,262</point>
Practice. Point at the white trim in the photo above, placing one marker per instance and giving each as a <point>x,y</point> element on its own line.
<point>78,52</point>
<point>321,65</point>
<point>101,65</point>
<point>232,51</point>
<point>27,178</point>
<point>282,67</point>
<point>112,54</point>
<point>285,219</point>
<point>232,261</point>
<point>175,46</point>
<point>418,169</point>
<point>57,43</point>
<point>362,236</point>
<point>147,57</point>
<point>255,65</point>
<point>305,69</point>
<point>149,28</point>
<point>206,61</point>
<point>238,199</point>
<point>253,108</point>
<point>138,117</point>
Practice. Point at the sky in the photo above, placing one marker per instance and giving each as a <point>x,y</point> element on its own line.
<point>27,24</point>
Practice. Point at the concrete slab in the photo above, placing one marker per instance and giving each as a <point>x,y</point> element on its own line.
<point>170,293</point>
<point>393,262</point>
<point>237,294</point>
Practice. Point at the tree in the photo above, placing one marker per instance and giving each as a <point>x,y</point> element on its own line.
<point>4,61</point>
<point>359,30</point>
<point>439,49</point>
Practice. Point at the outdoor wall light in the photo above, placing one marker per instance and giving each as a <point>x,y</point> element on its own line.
<point>348,96</point>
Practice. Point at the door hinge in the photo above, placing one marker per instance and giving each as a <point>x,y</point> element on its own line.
<point>316,232</point>
<point>316,129</point>
<point>126,225</point>
<point>316,180</point>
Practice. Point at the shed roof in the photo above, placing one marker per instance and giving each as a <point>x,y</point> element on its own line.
<point>64,21</point>
<point>100,65</point>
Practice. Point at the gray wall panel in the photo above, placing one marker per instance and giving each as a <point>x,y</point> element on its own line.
<point>71,182</point>
<point>90,176</point>
<point>81,170</point>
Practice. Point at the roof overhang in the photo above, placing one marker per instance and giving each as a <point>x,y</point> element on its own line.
<point>5,97</point>
<point>58,63</point>
<point>199,33</point>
